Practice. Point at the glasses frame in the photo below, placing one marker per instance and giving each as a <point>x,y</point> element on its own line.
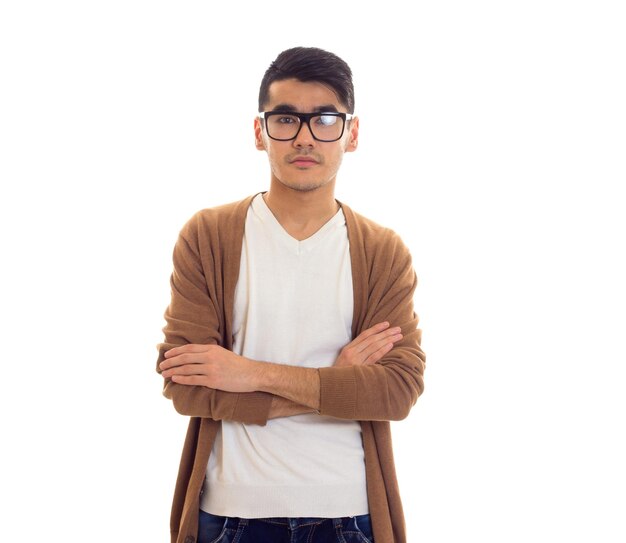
<point>305,118</point>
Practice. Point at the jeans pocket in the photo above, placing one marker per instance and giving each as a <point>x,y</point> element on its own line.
<point>210,527</point>
<point>358,529</point>
<point>363,524</point>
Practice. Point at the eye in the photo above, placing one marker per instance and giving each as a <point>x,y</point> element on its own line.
<point>286,119</point>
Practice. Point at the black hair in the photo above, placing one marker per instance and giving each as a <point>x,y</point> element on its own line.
<point>310,64</point>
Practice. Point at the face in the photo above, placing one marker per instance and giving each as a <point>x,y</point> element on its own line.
<point>305,164</point>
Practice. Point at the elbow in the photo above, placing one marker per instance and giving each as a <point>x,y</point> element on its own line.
<point>168,393</point>
<point>404,384</point>
<point>181,406</point>
<point>402,402</point>
<point>400,411</point>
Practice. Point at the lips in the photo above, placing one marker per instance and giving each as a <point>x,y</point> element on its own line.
<point>303,161</point>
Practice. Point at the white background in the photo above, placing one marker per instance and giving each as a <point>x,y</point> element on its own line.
<point>492,139</point>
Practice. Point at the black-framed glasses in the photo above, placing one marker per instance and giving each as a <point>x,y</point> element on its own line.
<point>286,125</point>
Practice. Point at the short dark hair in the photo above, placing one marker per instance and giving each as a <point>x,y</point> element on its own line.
<point>310,64</point>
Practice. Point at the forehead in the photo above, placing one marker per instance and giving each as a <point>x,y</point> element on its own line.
<point>302,96</point>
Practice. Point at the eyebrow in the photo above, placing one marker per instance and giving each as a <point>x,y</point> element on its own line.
<point>290,107</point>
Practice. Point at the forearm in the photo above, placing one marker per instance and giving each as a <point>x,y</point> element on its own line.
<point>386,390</point>
<point>210,381</point>
<point>282,407</point>
<point>201,401</point>
<point>298,384</point>
<point>198,401</point>
<point>247,407</point>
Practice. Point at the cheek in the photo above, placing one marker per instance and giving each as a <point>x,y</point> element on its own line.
<point>334,160</point>
<point>276,166</point>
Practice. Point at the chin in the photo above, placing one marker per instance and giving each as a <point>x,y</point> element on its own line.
<point>305,186</point>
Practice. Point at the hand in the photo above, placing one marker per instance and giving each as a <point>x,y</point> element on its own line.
<point>369,346</point>
<point>211,366</point>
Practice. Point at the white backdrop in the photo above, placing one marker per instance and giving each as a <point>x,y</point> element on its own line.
<point>492,139</point>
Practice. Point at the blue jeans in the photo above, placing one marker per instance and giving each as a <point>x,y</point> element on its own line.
<point>216,529</point>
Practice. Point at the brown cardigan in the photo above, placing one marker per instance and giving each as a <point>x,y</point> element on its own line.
<point>206,267</point>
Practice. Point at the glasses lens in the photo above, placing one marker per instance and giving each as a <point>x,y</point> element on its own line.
<point>325,127</point>
<point>282,126</point>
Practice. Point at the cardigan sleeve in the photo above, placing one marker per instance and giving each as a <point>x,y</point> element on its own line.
<point>388,389</point>
<point>192,317</point>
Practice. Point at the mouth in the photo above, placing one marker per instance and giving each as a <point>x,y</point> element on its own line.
<point>303,161</point>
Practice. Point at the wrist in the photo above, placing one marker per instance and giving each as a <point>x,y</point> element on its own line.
<point>254,372</point>
<point>296,383</point>
<point>264,376</point>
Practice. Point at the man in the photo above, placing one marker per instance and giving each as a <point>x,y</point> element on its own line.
<point>291,338</point>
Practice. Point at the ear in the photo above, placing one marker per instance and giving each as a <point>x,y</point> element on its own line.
<point>258,135</point>
<point>353,135</point>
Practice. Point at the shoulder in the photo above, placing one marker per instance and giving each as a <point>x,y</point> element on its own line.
<point>371,235</point>
<point>217,221</point>
<point>221,214</point>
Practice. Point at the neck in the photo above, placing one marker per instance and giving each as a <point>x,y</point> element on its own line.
<point>301,213</point>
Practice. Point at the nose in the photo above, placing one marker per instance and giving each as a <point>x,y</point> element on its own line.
<point>304,137</point>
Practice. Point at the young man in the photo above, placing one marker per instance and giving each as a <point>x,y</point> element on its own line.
<point>291,339</point>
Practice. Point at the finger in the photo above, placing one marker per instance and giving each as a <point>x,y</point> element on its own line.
<point>188,348</point>
<point>374,347</point>
<point>181,360</point>
<point>200,380</point>
<point>375,339</point>
<point>376,329</point>
<point>378,354</point>
<point>187,369</point>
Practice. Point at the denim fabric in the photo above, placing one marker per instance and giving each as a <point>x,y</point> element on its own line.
<point>216,529</point>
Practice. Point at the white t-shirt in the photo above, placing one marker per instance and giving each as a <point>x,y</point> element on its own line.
<point>293,305</point>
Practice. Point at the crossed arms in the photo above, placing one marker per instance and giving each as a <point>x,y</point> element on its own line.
<point>378,376</point>
<point>296,389</point>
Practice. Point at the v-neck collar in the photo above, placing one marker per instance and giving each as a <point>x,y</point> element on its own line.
<point>261,209</point>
